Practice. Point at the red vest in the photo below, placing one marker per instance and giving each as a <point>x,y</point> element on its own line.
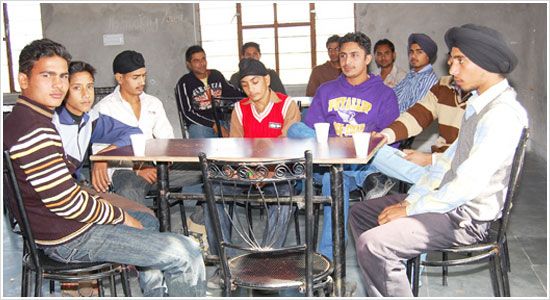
<point>270,126</point>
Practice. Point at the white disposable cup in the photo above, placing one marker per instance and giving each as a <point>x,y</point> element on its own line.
<point>361,142</point>
<point>138,144</point>
<point>321,132</point>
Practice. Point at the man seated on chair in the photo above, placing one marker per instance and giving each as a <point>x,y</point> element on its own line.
<point>355,102</point>
<point>79,128</point>
<point>129,104</point>
<point>263,114</point>
<point>69,223</point>
<point>463,192</point>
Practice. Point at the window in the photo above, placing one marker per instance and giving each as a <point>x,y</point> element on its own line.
<point>24,22</point>
<point>283,30</point>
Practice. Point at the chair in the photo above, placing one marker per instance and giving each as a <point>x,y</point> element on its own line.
<point>35,261</point>
<point>254,262</point>
<point>495,248</point>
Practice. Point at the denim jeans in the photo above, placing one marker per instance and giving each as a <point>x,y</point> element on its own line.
<point>353,177</point>
<point>277,219</point>
<point>168,263</point>
<point>388,162</point>
<point>129,185</point>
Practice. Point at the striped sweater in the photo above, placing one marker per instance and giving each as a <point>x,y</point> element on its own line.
<point>443,102</point>
<point>58,209</point>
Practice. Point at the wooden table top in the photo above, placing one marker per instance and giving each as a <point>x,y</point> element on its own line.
<point>338,150</point>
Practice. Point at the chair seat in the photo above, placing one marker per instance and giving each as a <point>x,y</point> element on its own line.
<point>274,270</point>
<point>52,266</point>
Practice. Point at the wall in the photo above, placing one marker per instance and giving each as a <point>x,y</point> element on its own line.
<point>523,25</point>
<point>161,32</point>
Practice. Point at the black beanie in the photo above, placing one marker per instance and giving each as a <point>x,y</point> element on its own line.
<point>484,46</point>
<point>250,66</point>
<point>128,61</point>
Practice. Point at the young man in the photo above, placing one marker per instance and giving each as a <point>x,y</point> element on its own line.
<point>252,50</point>
<point>131,105</point>
<point>327,71</point>
<point>70,224</point>
<point>356,101</point>
<point>455,203</point>
<point>384,56</point>
<point>195,91</point>
<point>421,77</point>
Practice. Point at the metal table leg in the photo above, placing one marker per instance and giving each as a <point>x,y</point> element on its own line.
<point>163,209</point>
<point>338,238</point>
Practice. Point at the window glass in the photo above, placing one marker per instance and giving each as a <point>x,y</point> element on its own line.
<point>289,12</point>
<point>256,13</point>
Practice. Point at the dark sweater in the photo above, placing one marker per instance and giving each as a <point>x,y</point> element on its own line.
<point>194,102</point>
<point>57,208</point>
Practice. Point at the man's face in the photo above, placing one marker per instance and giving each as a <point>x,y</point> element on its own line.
<point>418,59</point>
<point>198,63</point>
<point>384,57</point>
<point>353,59</point>
<point>48,81</point>
<point>256,87</point>
<point>468,76</point>
<point>252,52</point>
<point>132,83</point>
<point>81,93</point>
<point>333,49</point>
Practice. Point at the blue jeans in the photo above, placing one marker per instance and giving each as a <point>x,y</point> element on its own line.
<point>275,230</point>
<point>388,162</point>
<point>129,185</point>
<point>353,177</point>
<point>199,131</point>
<point>168,263</point>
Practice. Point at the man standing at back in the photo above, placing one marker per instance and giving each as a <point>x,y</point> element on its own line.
<point>327,71</point>
<point>195,92</point>
<point>384,56</point>
<point>422,53</point>
<point>252,50</point>
<point>456,202</point>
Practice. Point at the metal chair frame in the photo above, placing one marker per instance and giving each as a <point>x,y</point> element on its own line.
<point>256,253</point>
<point>494,249</point>
<point>34,259</point>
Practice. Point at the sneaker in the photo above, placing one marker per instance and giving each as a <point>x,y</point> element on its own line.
<point>377,185</point>
<point>215,281</point>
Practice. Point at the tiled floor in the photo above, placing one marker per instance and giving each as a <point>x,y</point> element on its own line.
<point>528,239</point>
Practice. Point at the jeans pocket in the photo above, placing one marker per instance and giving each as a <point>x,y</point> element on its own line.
<point>61,253</point>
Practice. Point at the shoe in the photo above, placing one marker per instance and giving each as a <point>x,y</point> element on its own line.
<point>377,185</point>
<point>215,281</point>
<point>351,288</point>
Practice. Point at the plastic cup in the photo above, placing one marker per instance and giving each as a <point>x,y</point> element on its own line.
<point>361,142</point>
<point>138,144</point>
<point>321,132</point>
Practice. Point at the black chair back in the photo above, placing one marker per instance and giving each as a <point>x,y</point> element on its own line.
<point>513,183</point>
<point>264,182</point>
<point>17,209</point>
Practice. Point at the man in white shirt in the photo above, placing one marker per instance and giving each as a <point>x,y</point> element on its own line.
<point>455,203</point>
<point>131,105</point>
<point>384,56</point>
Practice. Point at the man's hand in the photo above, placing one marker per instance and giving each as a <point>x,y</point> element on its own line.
<point>393,212</point>
<point>100,176</point>
<point>148,173</point>
<point>131,221</point>
<point>420,158</point>
<point>375,134</point>
<point>225,133</point>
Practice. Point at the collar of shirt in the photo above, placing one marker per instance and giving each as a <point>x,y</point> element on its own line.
<point>119,95</point>
<point>477,102</point>
<point>426,69</point>
<point>65,117</point>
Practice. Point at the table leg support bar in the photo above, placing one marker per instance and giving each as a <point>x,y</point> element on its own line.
<point>163,208</point>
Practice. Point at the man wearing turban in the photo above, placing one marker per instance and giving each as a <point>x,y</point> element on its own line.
<point>421,77</point>
<point>455,203</point>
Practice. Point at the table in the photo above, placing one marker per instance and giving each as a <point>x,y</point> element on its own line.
<point>335,153</point>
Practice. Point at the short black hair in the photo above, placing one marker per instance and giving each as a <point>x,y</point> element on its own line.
<point>38,49</point>
<point>80,66</point>
<point>384,42</point>
<point>332,39</point>
<point>192,50</point>
<point>358,37</point>
<point>248,45</point>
